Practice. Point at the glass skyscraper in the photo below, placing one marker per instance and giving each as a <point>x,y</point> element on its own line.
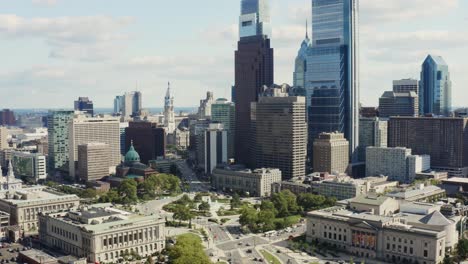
<point>331,71</point>
<point>254,18</point>
<point>57,128</point>
<point>435,91</point>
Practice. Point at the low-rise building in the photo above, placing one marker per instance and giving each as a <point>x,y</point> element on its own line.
<point>455,185</point>
<point>419,193</point>
<point>102,233</point>
<point>236,178</point>
<point>409,236</point>
<point>295,187</point>
<point>30,166</point>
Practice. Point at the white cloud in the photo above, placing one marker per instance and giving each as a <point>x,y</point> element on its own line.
<point>87,38</point>
<point>45,2</point>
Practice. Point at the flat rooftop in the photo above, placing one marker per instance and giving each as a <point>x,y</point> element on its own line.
<point>456,180</point>
<point>37,194</point>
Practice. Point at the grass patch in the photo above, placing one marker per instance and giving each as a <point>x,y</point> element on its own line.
<point>269,257</point>
<point>225,200</point>
<point>222,212</point>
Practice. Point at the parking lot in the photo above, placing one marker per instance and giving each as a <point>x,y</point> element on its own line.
<point>9,252</point>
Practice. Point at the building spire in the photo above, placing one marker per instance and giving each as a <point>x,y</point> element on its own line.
<point>11,173</point>
<point>307,29</point>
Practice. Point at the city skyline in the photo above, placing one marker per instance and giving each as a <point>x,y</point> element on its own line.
<point>66,60</point>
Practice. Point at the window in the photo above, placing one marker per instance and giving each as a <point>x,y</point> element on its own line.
<point>411,250</point>
<point>325,234</point>
<point>388,246</point>
<point>425,253</point>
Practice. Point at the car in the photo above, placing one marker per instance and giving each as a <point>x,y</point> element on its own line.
<point>278,251</point>
<point>248,245</point>
<point>240,243</point>
<point>260,260</point>
<point>249,251</point>
<point>12,259</point>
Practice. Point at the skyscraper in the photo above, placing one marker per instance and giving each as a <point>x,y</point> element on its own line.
<point>224,112</point>
<point>129,105</point>
<point>435,92</point>
<point>94,160</point>
<point>398,104</point>
<point>204,110</point>
<point>280,133</point>
<point>7,118</point>
<point>148,139</point>
<point>169,116</point>
<point>331,153</point>
<point>331,71</point>
<point>3,138</point>
<point>57,128</point>
<point>85,105</point>
<point>215,147</point>
<point>405,85</point>
<point>253,68</point>
<point>372,133</point>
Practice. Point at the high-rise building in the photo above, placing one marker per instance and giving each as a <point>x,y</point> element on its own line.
<point>215,147</point>
<point>118,104</point>
<point>31,167</point>
<point>94,160</point>
<point>7,118</point>
<point>85,105</point>
<point>148,139</point>
<point>372,133</point>
<point>224,112</point>
<point>398,104</point>
<point>123,126</point>
<point>253,68</point>
<point>83,130</point>
<point>444,139</point>
<point>204,110</point>
<point>301,64</point>
<point>57,129</point>
<point>331,153</point>
<point>396,163</point>
<point>169,116</point>
<point>330,71</point>
<point>406,85</point>
<point>128,105</point>
<point>3,138</point>
<point>280,133</point>
<point>435,88</point>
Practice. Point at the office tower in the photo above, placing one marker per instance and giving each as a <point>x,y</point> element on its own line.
<point>197,130</point>
<point>368,112</point>
<point>57,129</point>
<point>224,112</point>
<point>31,167</point>
<point>83,104</point>
<point>280,133</point>
<point>148,139</point>
<point>233,93</point>
<point>331,153</point>
<point>122,127</point>
<point>372,133</point>
<point>83,130</point>
<point>301,64</point>
<point>204,110</point>
<point>7,118</point>
<point>215,147</point>
<point>169,116</point>
<point>406,85</point>
<point>396,163</point>
<point>253,69</point>
<point>331,71</point>
<point>444,139</point>
<point>94,160</point>
<point>3,138</point>
<point>398,104</point>
<point>435,87</point>
<point>118,104</point>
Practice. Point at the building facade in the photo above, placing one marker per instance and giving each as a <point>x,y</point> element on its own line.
<point>3,138</point>
<point>57,131</point>
<point>215,147</point>
<point>224,112</point>
<point>435,93</point>
<point>396,163</point>
<point>331,153</point>
<point>280,133</point>
<point>102,234</point>
<point>94,160</point>
<point>373,132</point>
<point>30,166</point>
<point>85,105</point>
<point>253,69</point>
<point>331,71</point>
<point>257,183</point>
<point>148,139</point>
<point>204,110</point>
<point>83,130</point>
<point>7,118</point>
<point>444,139</point>
<point>398,104</point>
<point>405,86</point>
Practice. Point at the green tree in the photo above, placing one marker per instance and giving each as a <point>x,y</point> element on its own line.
<point>285,202</point>
<point>268,206</point>
<point>266,220</point>
<point>204,207</point>
<point>235,201</point>
<point>462,249</point>
<point>182,213</point>
<point>128,191</point>
<point>248,216</point>
<point>112,196</point>
<point>88,193</point>
<point>310,201</point>
<point>149,260</point>
<point>188,249</point>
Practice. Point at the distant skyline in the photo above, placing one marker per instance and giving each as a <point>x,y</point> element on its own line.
<point>54,51</point>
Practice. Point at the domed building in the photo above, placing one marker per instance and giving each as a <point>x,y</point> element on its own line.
<point>132,167</point>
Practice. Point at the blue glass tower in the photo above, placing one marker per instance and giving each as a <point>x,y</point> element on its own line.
<point>331,71</point>
<point>435,92</point>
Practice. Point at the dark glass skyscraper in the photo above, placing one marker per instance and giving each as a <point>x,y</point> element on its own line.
<point>85,105</point>
<point>435,92</point>
<point>331,71</point>
<point>253,69</point>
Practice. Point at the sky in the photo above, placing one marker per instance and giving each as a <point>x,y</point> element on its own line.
<point>54,51</point>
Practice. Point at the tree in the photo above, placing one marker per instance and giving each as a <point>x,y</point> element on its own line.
<point>248,216</point>
<point>128,191</point>
<point>149,260</point>
<point>266,220</point>
<point>204,207</point>
<point>112,196</point>
<point>310,201</point>
<point>462,248</point>
<point>285,202</point>
<point>268,206</point>
<point>188,249</point>
<point>235,201</point>
<point>88,193</point>
<point>182,213</point>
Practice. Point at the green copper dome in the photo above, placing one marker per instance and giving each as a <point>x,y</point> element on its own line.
<point>132,155</point>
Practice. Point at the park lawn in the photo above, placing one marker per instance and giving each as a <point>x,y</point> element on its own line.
<point>223,200</point>
<point>269,257</point>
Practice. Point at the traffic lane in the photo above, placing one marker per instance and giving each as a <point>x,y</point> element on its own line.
<point>244,243</point>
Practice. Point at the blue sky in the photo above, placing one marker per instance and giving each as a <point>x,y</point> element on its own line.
<point>56,50</point>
